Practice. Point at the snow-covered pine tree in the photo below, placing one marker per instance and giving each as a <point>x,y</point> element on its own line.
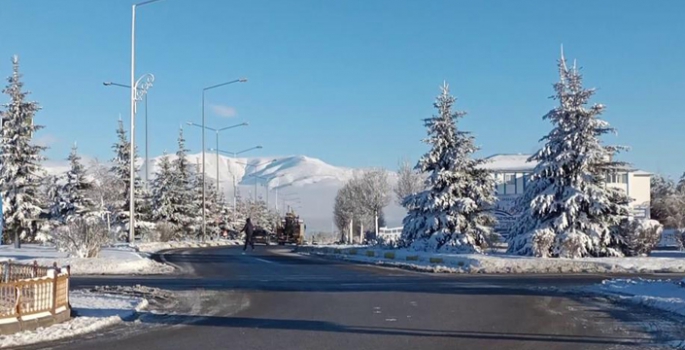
<point>239,213</point>
<point>567,209</point>
<point>211,207</point>
<point>213,210</point>
<point>224,213</point>
<point>183,194</point>
<point>74,201</point>
<point>163,202</point>
<point>259,213</point>
<point>20,162</point>
<point>121,170</point>
<point>453,212</point>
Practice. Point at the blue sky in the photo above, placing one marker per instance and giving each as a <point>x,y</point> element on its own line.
<point>349,81</point>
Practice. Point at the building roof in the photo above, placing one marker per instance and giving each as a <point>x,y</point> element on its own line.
<point>509,162</point>
<point>519,162</point>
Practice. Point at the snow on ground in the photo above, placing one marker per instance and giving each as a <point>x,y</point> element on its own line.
<point>501,263</point>
<point>153,247</point>
<point>668,295</point>
<point>110,261</point>
<point>95,311</point>
<point>120,259</point>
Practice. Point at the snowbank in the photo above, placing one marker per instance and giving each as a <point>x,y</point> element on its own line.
<point>95,311</point>
<point>499,263</point>
<point>153,247</point>
<point>110,261</point>
<point>120,259</point>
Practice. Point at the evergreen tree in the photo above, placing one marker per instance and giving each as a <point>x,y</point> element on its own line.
<point>212,209</point>
<point>163,202</point>
<point>568,210</point>
<point>185,209</point>
<point>20,162</point>
<point>121,170</point>
<point>239,213</point>
<point>453,212</point>
<point>224,213</point>
<point>73,201</point>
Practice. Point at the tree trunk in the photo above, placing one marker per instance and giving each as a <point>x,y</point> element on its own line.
<point>361,232</point>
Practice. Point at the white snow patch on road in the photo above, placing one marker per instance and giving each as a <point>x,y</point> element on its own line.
<point>95,310</point>
<point>673,262</point>
<point>667,295</point>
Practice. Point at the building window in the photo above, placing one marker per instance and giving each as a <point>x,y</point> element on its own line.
<point>617,178</point>
<point>510,179</point>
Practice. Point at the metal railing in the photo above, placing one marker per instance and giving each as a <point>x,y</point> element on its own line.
<point>28,290</point>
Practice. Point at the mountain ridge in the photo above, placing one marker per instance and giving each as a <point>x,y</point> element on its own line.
<point>312,180</point>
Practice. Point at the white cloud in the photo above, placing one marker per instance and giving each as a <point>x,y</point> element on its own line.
<point>224,111</point>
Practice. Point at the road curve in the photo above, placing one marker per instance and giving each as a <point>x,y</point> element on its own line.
<point>274,299</point>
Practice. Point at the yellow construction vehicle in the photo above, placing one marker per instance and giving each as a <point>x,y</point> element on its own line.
<point>290,230</point>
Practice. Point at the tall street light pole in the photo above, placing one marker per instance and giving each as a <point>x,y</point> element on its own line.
<point>204,218</point>
<point>147,145</point>
<point>137,92</point>
<point>217,132</point>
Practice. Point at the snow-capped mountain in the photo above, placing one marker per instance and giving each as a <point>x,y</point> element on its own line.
<point>310,184</point>
<point>279,172</point>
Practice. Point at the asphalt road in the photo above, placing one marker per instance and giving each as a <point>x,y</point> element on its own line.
<point>274,299</point>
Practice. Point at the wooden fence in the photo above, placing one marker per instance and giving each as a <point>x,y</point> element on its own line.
<point>32,290</point>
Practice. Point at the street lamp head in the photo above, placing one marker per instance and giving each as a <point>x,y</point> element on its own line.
<point>243,80</point>
<point>259,147</point>
<point>245,124</point>
<point>107,83</point>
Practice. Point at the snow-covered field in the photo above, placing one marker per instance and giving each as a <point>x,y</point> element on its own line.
<point>498,263</point>
<point>115,260</point>
<point>95,311</point>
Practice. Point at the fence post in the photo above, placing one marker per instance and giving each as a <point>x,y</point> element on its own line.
<point>66,286</point>
<point>54,292</point>
<point>35,268</point>
<point>17,297</point>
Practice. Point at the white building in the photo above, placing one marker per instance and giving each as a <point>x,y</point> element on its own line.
<point>511,172</point>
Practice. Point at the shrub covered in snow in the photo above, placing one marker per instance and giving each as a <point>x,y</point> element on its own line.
<point>81,238</point>
<point>636,237</point>
<point>164,232</point>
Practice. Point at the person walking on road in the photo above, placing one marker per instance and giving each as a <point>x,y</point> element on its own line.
<point>249,230</point>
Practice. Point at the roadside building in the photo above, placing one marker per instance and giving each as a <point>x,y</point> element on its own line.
<point>511,173</point>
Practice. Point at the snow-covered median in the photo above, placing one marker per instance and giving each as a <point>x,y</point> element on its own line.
<point>111,261</point>
<point>153,247</point>
<point>95,311</point>
<point>499,263</point>
<point>121,259</point>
